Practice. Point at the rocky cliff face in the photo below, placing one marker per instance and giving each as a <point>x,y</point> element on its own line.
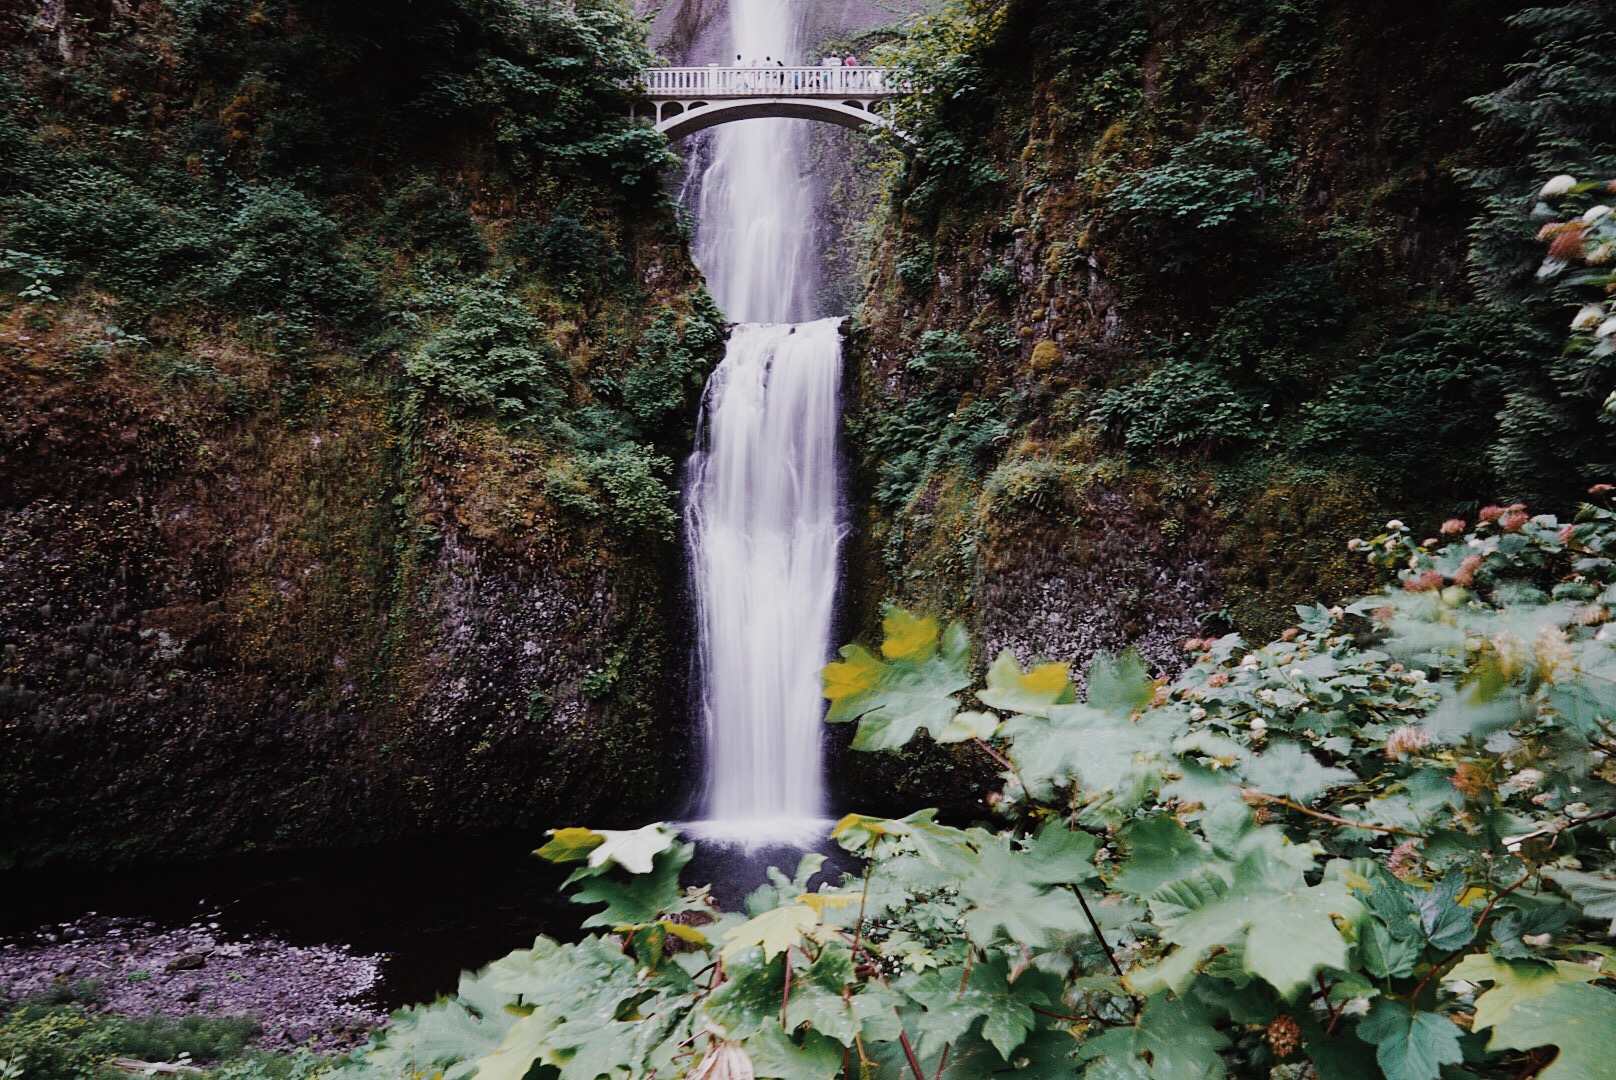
<point>1086,385</point>
<point>275,573</point>
<point>227,628</point>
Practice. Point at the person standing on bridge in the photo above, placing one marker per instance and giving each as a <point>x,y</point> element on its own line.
<point>849,80</point>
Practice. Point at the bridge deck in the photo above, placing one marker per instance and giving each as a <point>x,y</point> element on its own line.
<point>713,81</point>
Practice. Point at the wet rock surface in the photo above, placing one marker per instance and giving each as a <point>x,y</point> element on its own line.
<point>300,994</point>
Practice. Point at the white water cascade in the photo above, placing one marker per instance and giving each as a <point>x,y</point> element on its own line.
<point>763,510</point>
<point>755,213</point>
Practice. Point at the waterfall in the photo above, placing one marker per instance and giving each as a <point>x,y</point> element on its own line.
<point>763,514</point>
<point>754,216</point>
<point>764,518</point>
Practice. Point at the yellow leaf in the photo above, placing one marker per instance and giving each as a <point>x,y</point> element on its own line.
<point>1048,678</point>
<point>1514,982</point>
<point>870,825</point>
<point>1471,895</point>
<point>856,673</point>
<point>686,933</point>
<point>906,636</point>
<point>570,845</point>
<point>820,901</point>
<point>1033,693</point>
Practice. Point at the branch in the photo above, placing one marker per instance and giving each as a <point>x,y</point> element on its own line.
<point>785,998</point>
<point>1002,760</point>
<point>909,1052</point>
<point>1252,795</point>
<point>1488,910</point>
<point>864,897</point>
<point>1098,935</point>
<point>1513,843</point>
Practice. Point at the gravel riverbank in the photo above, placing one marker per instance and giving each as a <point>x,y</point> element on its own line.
<point>300,994</point>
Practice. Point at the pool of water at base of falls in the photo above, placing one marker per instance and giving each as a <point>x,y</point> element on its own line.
<point>434,908</point>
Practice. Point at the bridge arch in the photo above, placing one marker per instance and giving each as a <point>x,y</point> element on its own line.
<point>678,119</point>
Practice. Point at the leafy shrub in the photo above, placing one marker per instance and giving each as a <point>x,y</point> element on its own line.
<point>566,249</point>
<point>628,484</point>
<point>423,217</point>
<point>113,230</point>
<point>285,256</point>
<point>1382,845</point>
<point>934,429</point>
<point>640,500</point>
<point>1000,279</point>
<point>55,1043</point>
<point>674,358</point>
<point>1562,429</point>
<point>491,357</point>
<point>199,1037</point>
<point>1283,331</point>
<point>1219,178</point>
<point>301,1064</point>
<point>1446,381</point>
<point>1180,405</point>
<point>1559,114</point>
<point>32,276</point>
<point>916,267</point>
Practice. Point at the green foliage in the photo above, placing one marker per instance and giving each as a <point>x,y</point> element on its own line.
<point>932,430</point>
<point>31,275</point>
<point>52,1040</point>
<point>566,248</point>
<point>637,483</point>
<point>1220,178</point>
<point>940,58</point>
<point>1181,405</point>
<point>199,1037</point>
<point>1447,380</point>
<point>284,256</point>
<point>322,90</point>
<point>491,357</point>
<point>629,484</point>
<point>674,359</point>
<point>424,217</point>
<point>59,1043</point>
<point>1381,845</point>
<point>916,268</point>
<point>1559,116</point>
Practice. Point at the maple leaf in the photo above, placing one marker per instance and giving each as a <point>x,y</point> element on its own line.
<point>635,851</point>
<point>1594,892</point>
<point>1173,1039</point>
<point>1410,1045</point>
<point>1532,1003</point>
<point>907,636</point>
<point>775,930</point>
<point>969,725</point>
<point>953,1006</point>
<point>1031,693</point>
<point>1284,937</point>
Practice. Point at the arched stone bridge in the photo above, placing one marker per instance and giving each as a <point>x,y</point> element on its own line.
<point>690,99</point>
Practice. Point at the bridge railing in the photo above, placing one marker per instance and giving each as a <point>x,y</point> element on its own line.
<point>717,81</point>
